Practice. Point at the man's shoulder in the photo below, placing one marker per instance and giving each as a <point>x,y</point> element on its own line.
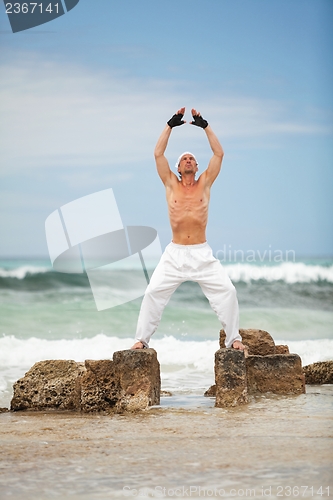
<point>173,181</point>
<point>202,179</point>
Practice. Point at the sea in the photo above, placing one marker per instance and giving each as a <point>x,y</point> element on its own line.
<point>46,314</point>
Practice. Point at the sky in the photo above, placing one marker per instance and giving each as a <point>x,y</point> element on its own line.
<point>84,98</point>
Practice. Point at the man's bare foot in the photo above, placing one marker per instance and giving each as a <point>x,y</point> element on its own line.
<point>137,345</point>
<point>238,345</point>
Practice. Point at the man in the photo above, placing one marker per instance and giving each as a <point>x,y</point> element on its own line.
<point>188,257</point>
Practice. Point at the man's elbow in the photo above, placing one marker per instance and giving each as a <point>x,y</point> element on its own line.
<point>219,154</point>
<point>158,153</point>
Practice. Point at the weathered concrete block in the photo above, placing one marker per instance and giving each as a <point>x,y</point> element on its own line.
<point>131,381</point>
<point>281,349</point>
<point>100,387</point>
<point>259,342</point>
<point>49,385</point>
<point>211,392</point>
<point>319,373</point>
<point>230,378</point>
<point>139,378</point>
<point>279,373</point>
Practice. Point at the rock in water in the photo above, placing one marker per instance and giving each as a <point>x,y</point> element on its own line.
<point>279,373</point>
<point>259,342</point>
<point>230,378</point>
<point>319,373</point>
<point>139,378</point>
<point>281,349</point>
<point>49,384</point>
<point>131,381</point>
<point>100,386</point>
<point>211,392</point>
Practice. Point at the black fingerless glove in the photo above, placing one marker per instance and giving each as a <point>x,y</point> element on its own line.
<point>176,120</point>
<point>199,121</point>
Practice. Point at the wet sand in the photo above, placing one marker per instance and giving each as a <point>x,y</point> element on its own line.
<point>275,447</point>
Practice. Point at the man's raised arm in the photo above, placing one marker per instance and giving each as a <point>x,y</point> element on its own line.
<point>162,164</point>
<point>215,163</point>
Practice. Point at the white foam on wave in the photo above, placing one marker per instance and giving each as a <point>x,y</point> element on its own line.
<point>173,354</point>
<point>22,271</point>
<point>290,272</point>
<point>25,352</point>
<point>186,366</point>
<point>310,351</point>
<point>171,351</point>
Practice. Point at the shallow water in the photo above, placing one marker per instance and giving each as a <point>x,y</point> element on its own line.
<point>271,448</point>
<point>276,446</point>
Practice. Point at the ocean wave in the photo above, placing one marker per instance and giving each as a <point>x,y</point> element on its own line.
<point>25,352</point>
<point>173,354</point>
<point>289,272</point>
<point>22,272</point>
<point>30,278</point>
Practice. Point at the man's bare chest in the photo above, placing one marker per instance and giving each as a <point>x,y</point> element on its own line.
<point>188,199</point>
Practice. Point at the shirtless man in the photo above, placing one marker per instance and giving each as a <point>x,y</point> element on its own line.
<point>188,257</point>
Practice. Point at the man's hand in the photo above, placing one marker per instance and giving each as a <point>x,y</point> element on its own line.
<point>198,120</point>
<point>177,120</point>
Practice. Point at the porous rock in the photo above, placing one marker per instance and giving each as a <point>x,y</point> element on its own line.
<point>230,378</point>
<point>139,378</point>
<point>259,342</point>
<point>131,381</point>
<point>166,394</point>
<point>211,392</point>
<point>49,385</point>
<point>279,374</point>
<point>281,349</point>
<point>100,386</point>
<point>319,373</point>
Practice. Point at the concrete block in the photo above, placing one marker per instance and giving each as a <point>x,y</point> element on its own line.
<point>230,378</point>
<point>279,373</point>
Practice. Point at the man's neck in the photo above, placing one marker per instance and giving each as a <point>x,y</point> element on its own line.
<point>188,180</point>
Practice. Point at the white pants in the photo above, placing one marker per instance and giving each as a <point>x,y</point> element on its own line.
<point>181,263</point>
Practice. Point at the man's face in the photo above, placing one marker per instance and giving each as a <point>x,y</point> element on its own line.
<point>187,165</point>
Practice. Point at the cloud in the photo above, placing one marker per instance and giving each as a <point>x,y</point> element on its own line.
<point>57,115</point>
<point>12,202</point>
<point>88,178</point>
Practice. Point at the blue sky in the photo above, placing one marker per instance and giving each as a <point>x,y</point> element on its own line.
<point>85,97</point>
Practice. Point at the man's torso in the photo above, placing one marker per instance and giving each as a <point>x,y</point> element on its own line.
<point>188,211</point>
